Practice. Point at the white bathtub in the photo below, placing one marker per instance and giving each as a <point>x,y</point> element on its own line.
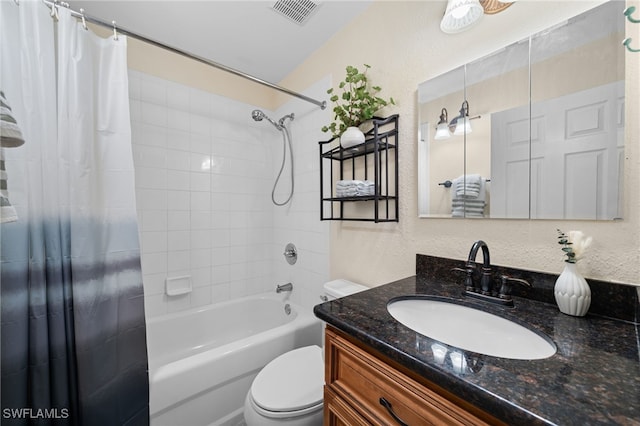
<point>202,361</point>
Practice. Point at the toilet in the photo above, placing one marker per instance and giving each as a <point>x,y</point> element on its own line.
<point>288,390</point>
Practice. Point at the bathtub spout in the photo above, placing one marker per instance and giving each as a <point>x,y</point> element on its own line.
<point>284,287</point>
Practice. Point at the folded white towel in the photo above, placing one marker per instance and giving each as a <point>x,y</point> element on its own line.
<point>474,178</point>
<point>467,202</point>
<point>463,213</point>
<point>347,183</point>
<point>355,188</point>
<point>366,187</point>
<point>468,187</point>
<point>460,213</point>
<point>468,191</point>
<point>462,206</point>
<point>459,209</point>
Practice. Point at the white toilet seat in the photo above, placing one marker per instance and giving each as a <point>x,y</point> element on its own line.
<point>290,385</point>
<point>285,414</point>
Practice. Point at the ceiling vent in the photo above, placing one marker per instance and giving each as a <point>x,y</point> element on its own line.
<point>298,11</point>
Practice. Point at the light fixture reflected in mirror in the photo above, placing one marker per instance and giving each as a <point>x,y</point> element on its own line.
<point>461,15</point>
<point>460,125</point>
<point>442,129</point>
<point>462,122</point>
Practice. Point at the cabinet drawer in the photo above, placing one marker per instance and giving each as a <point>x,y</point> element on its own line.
<point>339,413</point>
<point>362,380</point>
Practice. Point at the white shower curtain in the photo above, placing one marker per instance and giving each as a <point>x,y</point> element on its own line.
<point>72,306</point>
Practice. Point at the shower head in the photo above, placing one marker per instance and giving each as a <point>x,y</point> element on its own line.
<point>258,115</point>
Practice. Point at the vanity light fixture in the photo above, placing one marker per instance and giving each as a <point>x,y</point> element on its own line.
<point>491,7</point>
<point>442,129</point>
<point>460,15</point>
<point>462,122</point>
<point>460,125</point>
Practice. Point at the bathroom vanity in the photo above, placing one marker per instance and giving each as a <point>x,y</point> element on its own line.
<point>378,371</point>
<point>362,388</point>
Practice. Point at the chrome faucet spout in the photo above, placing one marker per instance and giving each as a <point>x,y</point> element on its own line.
<point>284,287</point>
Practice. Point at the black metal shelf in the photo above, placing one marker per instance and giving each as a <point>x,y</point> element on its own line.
<point>360,198</point>
<point>369,146</point>
<point>376,156</point>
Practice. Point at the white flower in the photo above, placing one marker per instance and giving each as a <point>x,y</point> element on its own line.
<point>579,243</point>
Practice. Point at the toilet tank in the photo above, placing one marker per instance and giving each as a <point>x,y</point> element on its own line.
<point>339,288</point>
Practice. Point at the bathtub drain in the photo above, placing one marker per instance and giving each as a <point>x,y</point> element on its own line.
<point>287,309</point>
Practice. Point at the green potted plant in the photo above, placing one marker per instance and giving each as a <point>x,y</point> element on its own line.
<point>357,103</point>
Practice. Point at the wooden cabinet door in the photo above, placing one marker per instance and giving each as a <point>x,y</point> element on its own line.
<point>357,381</point>
<point>337,412</point>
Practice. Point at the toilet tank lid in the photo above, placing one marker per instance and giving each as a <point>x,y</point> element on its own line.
<point>342,287</point>
<point>293,381</point>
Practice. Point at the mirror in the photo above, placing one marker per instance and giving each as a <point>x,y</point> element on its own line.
<point>545,133</point>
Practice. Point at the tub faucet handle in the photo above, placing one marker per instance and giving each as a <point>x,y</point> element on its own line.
<point>284,287</point>
<point>290,253</point>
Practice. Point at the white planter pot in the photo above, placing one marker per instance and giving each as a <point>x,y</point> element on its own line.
<point>351,137</point>
<point>572,292</point>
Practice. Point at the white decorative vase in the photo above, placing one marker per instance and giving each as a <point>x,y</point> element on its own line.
<point>572,292</point>
<point>351,137</point>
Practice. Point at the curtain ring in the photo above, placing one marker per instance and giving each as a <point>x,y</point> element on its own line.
<point>84,22</point>
<point>54,11</point>
<point>115,33</point>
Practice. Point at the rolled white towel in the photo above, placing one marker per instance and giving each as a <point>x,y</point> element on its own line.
<point>353,188</point>
<point>346,183</point>
<point>366,187</point>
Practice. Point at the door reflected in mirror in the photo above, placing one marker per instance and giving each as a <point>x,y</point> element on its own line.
<point>545,135</point>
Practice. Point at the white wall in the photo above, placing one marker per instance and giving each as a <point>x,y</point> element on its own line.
<point>204,174</point>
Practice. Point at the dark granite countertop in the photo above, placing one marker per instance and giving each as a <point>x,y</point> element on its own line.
<point>593,379</point>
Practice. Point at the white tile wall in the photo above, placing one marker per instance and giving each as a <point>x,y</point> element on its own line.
<point>204,173</point>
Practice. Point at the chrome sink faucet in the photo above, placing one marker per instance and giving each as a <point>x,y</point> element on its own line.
<point>484,289</point>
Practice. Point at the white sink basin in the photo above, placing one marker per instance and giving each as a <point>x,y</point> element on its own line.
<point>470,329</point>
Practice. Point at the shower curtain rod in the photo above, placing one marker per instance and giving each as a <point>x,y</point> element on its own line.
<point>87,18</point>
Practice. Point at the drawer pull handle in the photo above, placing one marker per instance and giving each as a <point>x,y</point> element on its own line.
<point>386,404</point>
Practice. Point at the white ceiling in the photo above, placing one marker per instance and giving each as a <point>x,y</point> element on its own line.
<point>248,36</point>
